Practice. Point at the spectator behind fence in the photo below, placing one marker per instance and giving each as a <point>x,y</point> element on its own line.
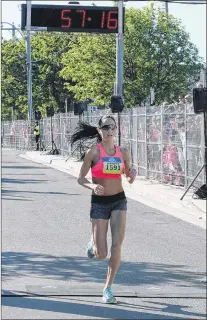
<point>12,134</point>
<point>181,144</point>
<point>199,85</point>
<point>182,98</point>
<point>37,135</point>
<point>188,98</point>
<point>189,103</point>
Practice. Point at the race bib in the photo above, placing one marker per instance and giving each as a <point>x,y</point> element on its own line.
<point>112,165</point>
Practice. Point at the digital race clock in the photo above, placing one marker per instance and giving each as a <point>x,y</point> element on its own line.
<point>72,18</point>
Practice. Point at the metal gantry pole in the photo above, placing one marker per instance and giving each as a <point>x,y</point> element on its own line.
<point>29,63</point>
<point>120,59</point>
<point>120,51</point>
<point>166,6</point>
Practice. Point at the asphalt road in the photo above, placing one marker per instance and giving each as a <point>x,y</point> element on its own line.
<point>45,271</point>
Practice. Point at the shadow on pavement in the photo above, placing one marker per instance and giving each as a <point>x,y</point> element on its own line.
<point>19,199</point>
<point>12,193</point>
<point>81,270</point>
<point>24,167</point>
<point>25,174</point>
<point>22,181</point>
<point>102,311</point>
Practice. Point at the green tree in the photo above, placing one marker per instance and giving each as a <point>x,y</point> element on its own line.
<point>157,53</point>
<point>48,87</point>
<point>47,51</point>
<point>89,68</point>
<point>14,75</point>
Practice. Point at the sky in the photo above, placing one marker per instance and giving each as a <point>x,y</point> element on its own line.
<point>193,17</point>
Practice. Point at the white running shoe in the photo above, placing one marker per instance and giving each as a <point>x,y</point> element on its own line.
<point>108,296</point>
<point>89,249</point>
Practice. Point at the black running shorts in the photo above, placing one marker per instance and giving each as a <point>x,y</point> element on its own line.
<point>102,206</point>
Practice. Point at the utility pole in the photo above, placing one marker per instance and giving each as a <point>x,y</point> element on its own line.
<point>29,63</point>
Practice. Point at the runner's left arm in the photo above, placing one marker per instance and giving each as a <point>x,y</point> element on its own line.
<point>129,171</point>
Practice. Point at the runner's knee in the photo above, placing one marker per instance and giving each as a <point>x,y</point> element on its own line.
<point>101,253</point>
<point>116,247</point>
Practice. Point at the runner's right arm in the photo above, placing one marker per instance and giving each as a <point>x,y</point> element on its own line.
<point>89,156</point>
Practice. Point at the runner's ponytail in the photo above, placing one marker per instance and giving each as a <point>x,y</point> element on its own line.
<point>84,131</point>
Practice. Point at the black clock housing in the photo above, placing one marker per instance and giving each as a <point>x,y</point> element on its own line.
<point>71,18</point>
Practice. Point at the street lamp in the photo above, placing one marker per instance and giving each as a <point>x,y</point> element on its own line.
<point>13,28</point>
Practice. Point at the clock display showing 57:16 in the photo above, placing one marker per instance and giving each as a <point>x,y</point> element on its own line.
<point>107,19</point>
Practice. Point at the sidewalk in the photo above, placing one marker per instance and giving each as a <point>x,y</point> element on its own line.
<point>150,193</point>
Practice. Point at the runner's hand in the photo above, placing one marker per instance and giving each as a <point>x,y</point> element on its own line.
<point>99,190</point>
<point>132,175</point>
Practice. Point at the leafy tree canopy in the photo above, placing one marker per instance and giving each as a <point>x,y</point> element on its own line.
<point>158,54</point>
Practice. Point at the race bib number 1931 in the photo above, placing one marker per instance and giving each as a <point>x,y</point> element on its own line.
<point>112,165</point>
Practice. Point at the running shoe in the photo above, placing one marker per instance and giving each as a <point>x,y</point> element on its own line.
<point>108,296</point>
<point>89,249</point>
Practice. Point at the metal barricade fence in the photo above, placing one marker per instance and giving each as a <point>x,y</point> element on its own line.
<point>166,142</point>
<point>18,134</point>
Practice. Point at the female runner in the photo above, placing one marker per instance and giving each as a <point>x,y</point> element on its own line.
<point>107,162</point>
